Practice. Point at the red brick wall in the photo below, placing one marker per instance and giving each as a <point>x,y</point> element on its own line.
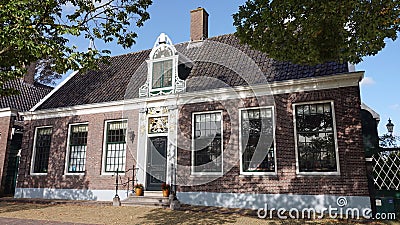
<point>92,178</point>
<point>351,181</point>
<point>5,130</point>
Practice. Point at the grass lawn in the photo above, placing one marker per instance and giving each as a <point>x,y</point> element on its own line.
<point>97,214</point>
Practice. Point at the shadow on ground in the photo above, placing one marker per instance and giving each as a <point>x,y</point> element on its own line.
<point>157,216</point>
<point>215,215</point>
<point>14,207</point>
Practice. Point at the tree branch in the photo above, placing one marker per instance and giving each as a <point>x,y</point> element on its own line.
<point>5,50</point>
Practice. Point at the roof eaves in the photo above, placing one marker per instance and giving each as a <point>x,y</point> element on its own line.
<point>53,91</point>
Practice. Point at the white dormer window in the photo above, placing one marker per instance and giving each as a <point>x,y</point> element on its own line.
<point>162,78</point>
<point>162,73</point>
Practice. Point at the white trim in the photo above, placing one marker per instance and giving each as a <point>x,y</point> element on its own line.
<point>150,62</point>
<point>227,200</point>
<point>174,170</point>
<point>53,91</point>
<point>72,194</point>
<point>254,201</point>
<point>240,142</point>
<point>34,150</point>
<point>6,112</point>
<point>140,166</point>
<point>334,134</point>
<point>104,155</point>
<point>274,88</point>
<point>281,87</point>
<point>193,173</point>
<point>86,109</point>
<point>68,150</point>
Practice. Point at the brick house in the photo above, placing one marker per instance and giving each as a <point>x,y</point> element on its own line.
<point>225,123</point>
<point>11,125</point>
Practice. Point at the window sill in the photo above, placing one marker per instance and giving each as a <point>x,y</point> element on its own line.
<point>112,173</point>
<point>38,174</point>
<point>74,174</point>
<point>305,174</point>
<point>258,174</point>
<point>206,174</point>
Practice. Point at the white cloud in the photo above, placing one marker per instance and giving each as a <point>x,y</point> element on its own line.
<point>367,81</point>
<point>69,7</point>
<point>395,106</point>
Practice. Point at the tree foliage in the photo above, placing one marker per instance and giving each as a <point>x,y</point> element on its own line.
<point>39,31</point>
<point>315,31</point>
<point>388,141</point>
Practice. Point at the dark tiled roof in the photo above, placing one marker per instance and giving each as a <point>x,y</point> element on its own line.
<point>216,62</point>
<point>30,95</point>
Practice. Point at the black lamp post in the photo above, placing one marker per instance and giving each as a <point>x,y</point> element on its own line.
<point>390,127</point>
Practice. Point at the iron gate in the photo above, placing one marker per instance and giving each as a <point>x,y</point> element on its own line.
<point>386,180</point>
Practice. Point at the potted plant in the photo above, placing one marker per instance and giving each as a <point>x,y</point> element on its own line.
<point>139,189</point>
<point>165,189</point>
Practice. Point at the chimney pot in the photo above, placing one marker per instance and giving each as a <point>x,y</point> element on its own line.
<point>198,24</point>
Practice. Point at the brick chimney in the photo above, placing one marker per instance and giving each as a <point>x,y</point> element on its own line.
<point>29,77</point>
<point>198,24</point>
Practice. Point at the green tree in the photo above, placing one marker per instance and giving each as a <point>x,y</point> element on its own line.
<point>39,31</point>
<point>315,31</point>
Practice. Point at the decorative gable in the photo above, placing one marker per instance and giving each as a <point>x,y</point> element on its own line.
<point>162,67</point>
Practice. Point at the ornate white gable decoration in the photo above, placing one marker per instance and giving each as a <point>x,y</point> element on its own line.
<point>162,67</point>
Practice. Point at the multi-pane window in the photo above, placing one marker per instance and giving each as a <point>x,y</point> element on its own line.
<point>115,146</point>
<point>42,150</point>
<point>257,139</point>
<point>77,148</point>
<point>316,150</point>
<point>207,152</point>
<point>162,74</point>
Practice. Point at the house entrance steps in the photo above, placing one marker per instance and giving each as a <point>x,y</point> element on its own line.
<point>150,198</point>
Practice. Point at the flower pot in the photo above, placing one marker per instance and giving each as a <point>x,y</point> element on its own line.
<point>165,193</point>
<point>139,191</point>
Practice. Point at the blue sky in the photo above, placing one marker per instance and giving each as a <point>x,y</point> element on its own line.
<point>378,90</point>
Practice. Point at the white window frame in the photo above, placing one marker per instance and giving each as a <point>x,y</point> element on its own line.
<point>240,141</point>
<point>150,63</point>
<point>34,151</point>
<point>104,156</point>
<point>68,149</point>
<point>193,172</point>
<point>337,172</point>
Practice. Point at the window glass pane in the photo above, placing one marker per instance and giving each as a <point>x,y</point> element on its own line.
<point>157,74</point>
<point>257,140</point>
<point>42,150</point>
<point>207,143</point>
<point>167,80</point>
<point>115,146</point>
<point>162,74</point>
<point>315,138</point>
<point>77,148</point>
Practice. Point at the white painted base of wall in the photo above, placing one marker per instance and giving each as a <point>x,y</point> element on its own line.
<point>286,201</point>
<point>228,200</point>
<point>72,194</point>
